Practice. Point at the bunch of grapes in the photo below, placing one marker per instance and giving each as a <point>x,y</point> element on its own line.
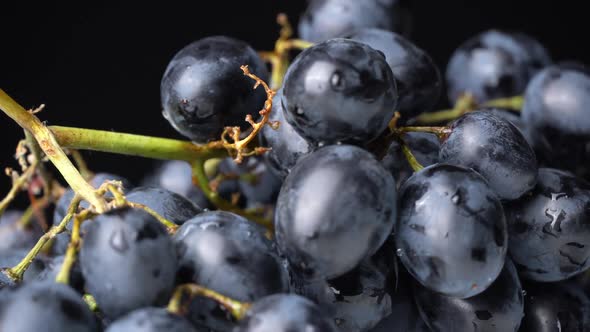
<point>329,197</point>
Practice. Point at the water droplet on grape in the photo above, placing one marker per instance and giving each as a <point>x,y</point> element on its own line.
<point>399,252</point>
<point>207,225</point>
<point>118,241</point>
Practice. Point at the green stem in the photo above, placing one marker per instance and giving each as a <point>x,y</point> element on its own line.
<point>170,226</point>
<point>133,145</point>
<point>17,185</point>
<point>236,308</point>
<point>203,182</point>
<point>91,302</point>
<point>36,150</point>
<point>515,103</point>
<point>440,132</point>
<point>16,273</point>
<point>70,258</point>
<point>414,163</point>
<point>52,150</point>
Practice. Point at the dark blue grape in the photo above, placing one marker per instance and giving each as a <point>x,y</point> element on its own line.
<point>170,205</point>
<point>326,19</point>
<point>54,265</point>
<point>494,64</point>
<point>231,255</point>
<point>404,315</point>
<point>514,118</point>
<point>176,176</point>
<point>559,307</point>
<point>14,236</point>
<point>359,299</point>
<point>556,112</point>
<point>284,313</point>
<point>339,91</point>
<point>336,207</point>
<point>258,186</point>
<point>128,261</point>
<point>286,144</point>
<point>424,147</point>
<point>549,229</point>
<point>499,308</point>
<point>451,234</point>
<point>47,307</point>
<point>151,320</point>
<point>203,89</point>
<point>496,149</point>
<point>418,80</point>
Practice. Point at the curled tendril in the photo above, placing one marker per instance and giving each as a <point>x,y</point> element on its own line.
<point>231,140</point>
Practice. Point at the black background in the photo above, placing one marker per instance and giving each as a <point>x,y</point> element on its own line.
<point>99,65</point>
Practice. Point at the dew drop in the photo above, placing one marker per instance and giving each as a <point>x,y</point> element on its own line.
<point>399,252</point>
<point>523,292</point>
<point>118,241</point>
<point>299,111</point>
<point>456,199</point>
<point>337,81</point>
<point>210,224</point>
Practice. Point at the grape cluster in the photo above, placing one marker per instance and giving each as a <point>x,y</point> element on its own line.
<point>351,213</point>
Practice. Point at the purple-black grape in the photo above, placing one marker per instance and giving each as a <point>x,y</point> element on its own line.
<point>496,149</point>
<point>203,89</point>
<point>326,19</point>
<point>549,229</point>
<point>53,267</point>
<point>231,255</point>
<point>285,313</point>
<point>494,64</point>
<point>336,207</point>
<point>170,205</point>
<point>151,319</point>
<point>14,236</point>
<point>359,299</point>
<point>424,147</point>
<point>404,315</point>
<point>47,307</point>
<point>128,261</point>
<point>260,187</point>
<point>286,144</point>
<point>556,307</point>
<point>556,112</point>
<point>498,308</point>
<point>418,80</point>
<point>339,91</point>
<point>451,234</point>
<point>176,176</point>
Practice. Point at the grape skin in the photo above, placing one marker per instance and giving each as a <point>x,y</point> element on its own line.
<point>128,261</point>
<point>451,234</point>
<point>418,80</point>
<point>282,313</point>
<point>326,232</point>
<point>549,230</point>
<point>494,64</point>
<point>203,89</point>
<point>339,91</point>
<point>498,308</point>
<point>326,19</point>
<point>496,149</point>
